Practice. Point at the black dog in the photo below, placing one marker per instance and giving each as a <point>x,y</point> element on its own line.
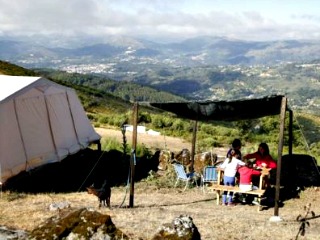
<point>103,194</point>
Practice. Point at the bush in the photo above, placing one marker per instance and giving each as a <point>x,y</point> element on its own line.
<point>178,125</point>
<point>157,121</point>
<point>108,144</point>
<point>165,180</point>
<point>144,117</point>
<point>104,120</point>
<point>207,144</point>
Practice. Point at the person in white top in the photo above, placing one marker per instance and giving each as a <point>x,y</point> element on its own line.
<point>230,167</point>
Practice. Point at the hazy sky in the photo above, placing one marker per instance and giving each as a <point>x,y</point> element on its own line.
<point>163,19</point>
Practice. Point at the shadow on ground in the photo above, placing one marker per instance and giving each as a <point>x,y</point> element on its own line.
<point>298,171</point>
<point>88,167</point>
<point>81,170</point>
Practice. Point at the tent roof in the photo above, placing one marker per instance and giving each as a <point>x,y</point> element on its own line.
<point>224,110</point>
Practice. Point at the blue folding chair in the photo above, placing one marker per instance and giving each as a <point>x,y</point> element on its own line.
<point>182,175</point>
<point>210,175</point>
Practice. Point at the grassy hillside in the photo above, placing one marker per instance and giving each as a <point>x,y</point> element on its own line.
<point>309,127</point>
<point>106,109</point>
<point>125,90</point>
<point>92,99</point>
<point>11,69</point>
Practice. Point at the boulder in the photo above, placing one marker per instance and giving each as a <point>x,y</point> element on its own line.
<point>204,159</point>
<point>59,205</point>
<point>8,233</point>
<point>78,224</point>
<point>184,157</point>
<point>201,160</point>
<point>181,227</point>
<point>165,158</point>
<point>299,170</point>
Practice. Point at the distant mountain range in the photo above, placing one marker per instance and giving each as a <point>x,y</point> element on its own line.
<point>202,68</point>
<point>36,52</point>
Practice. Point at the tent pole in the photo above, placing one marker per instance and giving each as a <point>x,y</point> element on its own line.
<point>133,154</point>
<point>20,133</point>
<point>280,149</point>
<point>50,126</point>
<point>73,123</point>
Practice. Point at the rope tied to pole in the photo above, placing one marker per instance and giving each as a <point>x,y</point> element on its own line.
<point>91,171</point>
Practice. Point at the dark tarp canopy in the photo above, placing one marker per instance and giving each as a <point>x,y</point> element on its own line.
<point>224,110</point>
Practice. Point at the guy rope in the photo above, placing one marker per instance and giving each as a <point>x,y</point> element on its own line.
<point>307,145</point>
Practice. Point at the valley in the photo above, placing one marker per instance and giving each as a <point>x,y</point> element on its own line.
<point>201,68</point>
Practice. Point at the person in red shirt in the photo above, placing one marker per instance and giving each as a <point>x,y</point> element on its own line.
<point>245,182</point>
<point>262,157</point>
<point>246,173</point>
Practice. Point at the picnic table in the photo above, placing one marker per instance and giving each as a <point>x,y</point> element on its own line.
<point>219,187</point>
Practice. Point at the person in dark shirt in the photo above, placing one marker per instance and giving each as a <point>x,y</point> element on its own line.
<point>236,145</point>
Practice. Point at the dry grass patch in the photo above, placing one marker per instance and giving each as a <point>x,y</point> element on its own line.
<point>154,206</point>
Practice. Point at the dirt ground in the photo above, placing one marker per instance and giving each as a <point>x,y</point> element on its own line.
<point>154,141</point>
<point>155,206</point>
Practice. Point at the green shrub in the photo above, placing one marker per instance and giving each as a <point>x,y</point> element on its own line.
<point>144,117</point>
<point>178,125</point>
<point>165,180</point>
<point>142,150</point>
<point>157,121</point>
<point>108,144</point>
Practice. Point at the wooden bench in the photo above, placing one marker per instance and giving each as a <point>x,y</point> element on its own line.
<point>219,187</point>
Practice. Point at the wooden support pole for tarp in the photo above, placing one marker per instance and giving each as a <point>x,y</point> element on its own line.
<point>194,137</point>
<point>290,131</point>
<point>280,149</point>
<point>133,153</point>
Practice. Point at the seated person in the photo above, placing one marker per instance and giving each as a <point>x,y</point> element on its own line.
<point>246,173</point>
<point>190,171</point>
<point>245,183</point>
<point>262,157</point>
<point>236,145</point>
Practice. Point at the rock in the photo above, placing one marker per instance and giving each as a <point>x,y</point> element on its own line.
<point>165,157</point>
<point>78,224</point>
<point>6,233</point>
<point>299,170</point>
<point>181,227</point>
<point>59,205</point>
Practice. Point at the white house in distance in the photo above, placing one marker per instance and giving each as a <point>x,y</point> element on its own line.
<point>154,133</point>
<point>40,122</point>
<point>142,129</point>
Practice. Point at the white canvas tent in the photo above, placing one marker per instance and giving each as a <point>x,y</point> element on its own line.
<point>40,122</point>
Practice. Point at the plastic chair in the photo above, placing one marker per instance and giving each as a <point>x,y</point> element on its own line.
<point>210,175</point>
<point>182,175</point>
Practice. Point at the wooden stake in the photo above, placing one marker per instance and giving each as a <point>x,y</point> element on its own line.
<point>133,153</point>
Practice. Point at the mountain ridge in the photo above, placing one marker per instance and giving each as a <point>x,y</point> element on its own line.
<point>213,51</point>
<point>202,68</point>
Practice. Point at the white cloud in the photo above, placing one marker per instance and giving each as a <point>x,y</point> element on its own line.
<point>161,19</point>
